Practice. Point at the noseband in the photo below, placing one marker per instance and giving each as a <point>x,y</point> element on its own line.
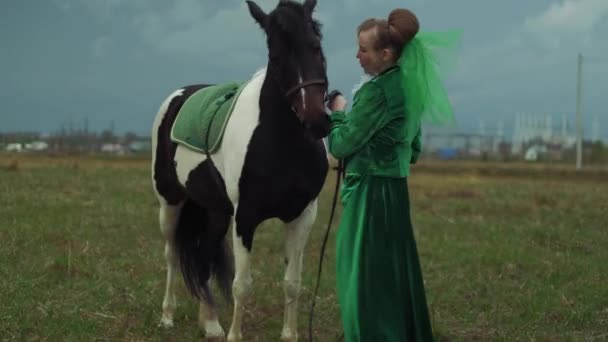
<point>304,84</point>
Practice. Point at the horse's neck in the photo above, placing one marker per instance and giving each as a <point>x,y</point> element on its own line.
<point>282,131</point>
<point>276,113</point>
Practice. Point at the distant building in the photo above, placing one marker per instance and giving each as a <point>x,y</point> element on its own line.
<point>140,146</point>
<point>37,146</point>
<point>538,129</point>
<point>14,147</point>
<point>114,149</point>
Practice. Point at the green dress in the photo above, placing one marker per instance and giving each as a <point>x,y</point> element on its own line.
<point>379,281</point>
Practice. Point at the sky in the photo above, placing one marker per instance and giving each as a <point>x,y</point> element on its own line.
<point>111,63</point>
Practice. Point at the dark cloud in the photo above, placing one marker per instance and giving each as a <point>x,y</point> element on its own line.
<point>113,61</point>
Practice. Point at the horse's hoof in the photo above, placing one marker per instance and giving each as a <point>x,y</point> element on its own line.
<point>215,336</point>
<point>235,337</point>
<point>289,337</point>
<point>166,322</point>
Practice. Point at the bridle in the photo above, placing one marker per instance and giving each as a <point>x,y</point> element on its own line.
<point>316,81</point>
<point>289,93</point>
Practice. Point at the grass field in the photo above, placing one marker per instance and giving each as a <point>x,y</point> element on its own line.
<point>508,252</point>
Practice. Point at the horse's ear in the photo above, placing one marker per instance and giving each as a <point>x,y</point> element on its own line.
<point>310,5</point>
<point>257,13</point>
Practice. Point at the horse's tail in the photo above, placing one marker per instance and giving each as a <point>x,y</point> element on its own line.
<point>203,251</point>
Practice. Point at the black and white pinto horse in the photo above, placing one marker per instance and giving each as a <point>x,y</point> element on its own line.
<point>272,164</point>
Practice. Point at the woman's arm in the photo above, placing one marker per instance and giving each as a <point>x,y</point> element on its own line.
<point>351,132</point>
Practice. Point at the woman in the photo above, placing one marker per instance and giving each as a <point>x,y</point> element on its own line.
<point>380,285</point>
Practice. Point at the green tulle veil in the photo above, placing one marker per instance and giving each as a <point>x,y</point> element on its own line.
<point>424,60</point>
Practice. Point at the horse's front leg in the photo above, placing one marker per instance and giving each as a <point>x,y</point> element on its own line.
<point>242,234</point>
<point>295,241</point>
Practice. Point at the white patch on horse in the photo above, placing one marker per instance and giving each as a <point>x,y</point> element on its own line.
<point>162,111</point>
<point>261,71</point>
<point>302,90</point>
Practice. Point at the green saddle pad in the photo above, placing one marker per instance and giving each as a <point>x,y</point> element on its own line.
<point>206,112</point>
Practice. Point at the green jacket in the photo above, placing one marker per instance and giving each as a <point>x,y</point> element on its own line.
<point>377,137</point>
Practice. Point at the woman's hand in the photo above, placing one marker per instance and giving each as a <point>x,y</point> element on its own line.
<point>338,103</point>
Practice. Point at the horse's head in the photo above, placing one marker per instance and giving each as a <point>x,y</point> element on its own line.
<point>296,61</point>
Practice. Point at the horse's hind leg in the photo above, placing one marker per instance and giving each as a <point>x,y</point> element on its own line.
<point>208,321</point>
<point>295,241</point>
<point>169,217</point>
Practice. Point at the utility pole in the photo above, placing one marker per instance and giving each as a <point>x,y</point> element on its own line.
<point>595,131</point>
<point>579,115</point>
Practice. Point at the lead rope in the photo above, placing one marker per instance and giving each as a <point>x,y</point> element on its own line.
<point>339,172</point>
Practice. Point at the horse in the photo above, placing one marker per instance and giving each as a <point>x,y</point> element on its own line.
<point>272,163</point>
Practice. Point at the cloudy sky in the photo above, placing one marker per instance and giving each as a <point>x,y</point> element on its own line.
<point>112,62</point>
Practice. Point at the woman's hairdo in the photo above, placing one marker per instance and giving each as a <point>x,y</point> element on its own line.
<point>395,32</point>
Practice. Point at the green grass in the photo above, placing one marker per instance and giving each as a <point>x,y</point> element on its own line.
<point>508,253</point>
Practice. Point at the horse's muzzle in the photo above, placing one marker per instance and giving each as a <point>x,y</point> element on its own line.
<point>318,130</point>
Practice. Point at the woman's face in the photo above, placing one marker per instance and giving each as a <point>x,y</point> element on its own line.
<point>372,61</point>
